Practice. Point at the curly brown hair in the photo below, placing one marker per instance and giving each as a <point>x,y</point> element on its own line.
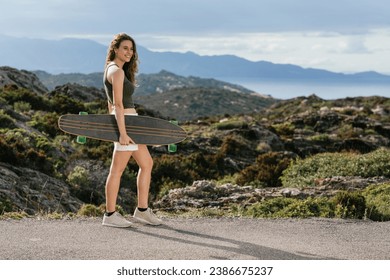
<point>130,68</point>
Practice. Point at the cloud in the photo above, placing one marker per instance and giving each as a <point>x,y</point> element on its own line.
<point>353,45</point>
<point>187,17</point>
<point>303,32</point>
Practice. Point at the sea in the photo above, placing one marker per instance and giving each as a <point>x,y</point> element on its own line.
<point>328,91</point>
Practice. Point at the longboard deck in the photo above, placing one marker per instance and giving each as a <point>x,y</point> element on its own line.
<point>142,129</point>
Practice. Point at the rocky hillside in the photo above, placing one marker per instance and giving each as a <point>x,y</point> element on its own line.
<point>11,76</point>
<point>186,104</point>
<point>169,95</point>
<point>148,83</point>
<point>304,147</point>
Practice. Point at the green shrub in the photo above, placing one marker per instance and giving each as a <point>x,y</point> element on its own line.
<point>303,172</point>
<point>63,104</point>
<point>14,215</point>
<point>45,122</point>
<point>6,121</point>
<point>268,208</point>
<point>284,129</point>
<point>378,202</point>
<point>18,146</point>
<point>231,125</point>
<point>310,207</point>
<point>35,101</point>
<point>22,106</point>
<point>234,146</point>
<point>6,152</point>
<point>281,207</point>
<point>376,163</point>
<point>170,168</point>
<point>79,177</point>
<point>266,171</point>
<point>90,210</point>
<point>349,205</point>
<point>183,169</point>
<point>347,131</point>
<point>319,138</point>
<point>5,205</point>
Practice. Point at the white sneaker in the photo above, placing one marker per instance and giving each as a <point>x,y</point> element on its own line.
<point>147,217</point>
<point>116,220</point>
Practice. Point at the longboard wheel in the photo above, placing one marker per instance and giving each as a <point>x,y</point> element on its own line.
<point>82,139</point>
<point>172,148</point>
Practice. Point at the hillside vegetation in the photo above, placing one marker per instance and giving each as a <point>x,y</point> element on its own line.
<point>147,83</point>
<point>304,157</point>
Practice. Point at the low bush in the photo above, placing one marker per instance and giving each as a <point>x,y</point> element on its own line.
<point>19,147</point>
<point>350,205</point>
<point>283,129</point>
<point>35,101</point>
<point>378,202</point>
<point>90,210</point>
<point>304,172</point>
<point>45,123</point>
<point>79,177</point>
<point>282,207</point>
<point>266,171</point>
<point>233,145</point>
<point>6,121</point>
<point>269,208</point>
<point>372,203</point>
<point>22,106</point>
<point>231,125</point>
<point>5,205</point>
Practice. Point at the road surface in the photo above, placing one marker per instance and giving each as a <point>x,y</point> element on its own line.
<point>196,239</point>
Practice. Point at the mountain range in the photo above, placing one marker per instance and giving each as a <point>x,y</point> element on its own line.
<point>87,56</point>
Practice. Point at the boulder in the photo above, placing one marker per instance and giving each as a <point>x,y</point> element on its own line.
<point>15,78</point>
<point>24,189</point>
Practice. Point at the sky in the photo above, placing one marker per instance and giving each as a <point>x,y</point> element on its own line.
<point>346,36</point>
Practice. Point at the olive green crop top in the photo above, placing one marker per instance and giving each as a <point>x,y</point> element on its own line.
<point>128,90</point>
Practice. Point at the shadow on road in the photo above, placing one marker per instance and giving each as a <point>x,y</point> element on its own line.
<point>237,246</point>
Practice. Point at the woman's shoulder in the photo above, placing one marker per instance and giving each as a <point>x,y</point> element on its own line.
<point>112,66</point>
<point>113,70</point>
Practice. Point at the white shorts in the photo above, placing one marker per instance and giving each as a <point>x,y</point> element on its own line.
<point>125,148</point>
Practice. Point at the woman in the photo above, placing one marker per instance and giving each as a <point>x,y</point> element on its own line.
<point>119,84</point>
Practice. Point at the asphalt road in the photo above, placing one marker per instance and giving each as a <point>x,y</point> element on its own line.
<point>196,239</point>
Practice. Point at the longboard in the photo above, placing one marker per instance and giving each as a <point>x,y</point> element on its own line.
<point>142,129</point>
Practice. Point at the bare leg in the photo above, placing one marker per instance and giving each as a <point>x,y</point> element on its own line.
<point>118,165</point>
<point>145,163</point>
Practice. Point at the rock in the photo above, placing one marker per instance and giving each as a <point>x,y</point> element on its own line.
<point>351,183</point>
<point>206,194</point>
<point>14,78</point>
<point>290,192</point>
<point>24,189</point>
<point>78,92</point>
